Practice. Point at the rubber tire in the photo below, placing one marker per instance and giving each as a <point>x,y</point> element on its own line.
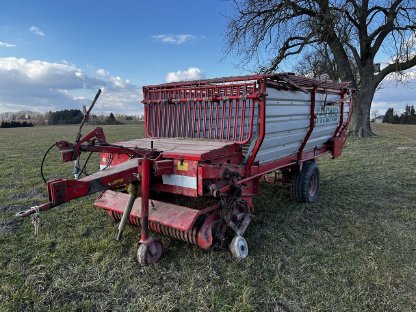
<point>239,247</point>
<point>306,183</point>
<point>150,253</point>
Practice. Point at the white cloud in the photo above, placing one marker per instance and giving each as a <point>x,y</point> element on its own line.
<point>102,72</point>
<point>6,44</point>
<point>35,30</point>
<point>396,94</point>
<point>43,86</point>
<point>174,39</point>
<point>192,73</point>
<point>117,81</point>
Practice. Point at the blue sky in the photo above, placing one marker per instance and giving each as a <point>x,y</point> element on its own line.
<point>56,54</point>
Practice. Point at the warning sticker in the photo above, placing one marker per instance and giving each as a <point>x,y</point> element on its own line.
<point>182,165</point>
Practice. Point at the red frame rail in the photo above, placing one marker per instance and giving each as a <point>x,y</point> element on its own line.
<point>213,111</point>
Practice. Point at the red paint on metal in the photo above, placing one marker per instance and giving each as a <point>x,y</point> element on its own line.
<point>174,189</point>
<point>205,233</point>
<point>341,117</point>
<point>262,123</point>
<point>179,217</point>
<point>243,115</point>
<point>97,133</point>
<point>145,179</point>
<point>237,104</point>
<point>162,167</point>
<point>312,118</point>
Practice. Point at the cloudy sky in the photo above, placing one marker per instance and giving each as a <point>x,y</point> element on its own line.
<point>56,54</point>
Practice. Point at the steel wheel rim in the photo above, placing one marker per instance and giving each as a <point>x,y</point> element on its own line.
<point>313,185</point>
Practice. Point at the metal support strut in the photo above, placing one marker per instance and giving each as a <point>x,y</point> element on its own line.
<point>145,200</point>
<point>133,192</point>
<point>150,250</point>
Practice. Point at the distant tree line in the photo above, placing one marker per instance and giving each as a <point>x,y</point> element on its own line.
<point>66,116</point>
<point>104,120</point>
<point>15,124</point>
<point>407,117</point>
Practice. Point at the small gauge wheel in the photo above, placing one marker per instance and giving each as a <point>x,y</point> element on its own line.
<point>150,252</point>
<point>239,247</point>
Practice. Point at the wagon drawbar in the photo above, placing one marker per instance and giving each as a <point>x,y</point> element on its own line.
<point>211,140</point>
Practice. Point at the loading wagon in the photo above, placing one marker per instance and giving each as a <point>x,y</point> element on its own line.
<point>210,143</point>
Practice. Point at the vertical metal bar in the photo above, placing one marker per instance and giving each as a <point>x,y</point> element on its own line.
<point>162,120</point>
<point>168,119</point>
<point>311,123</point>
<point>341,117</point>
<point>210,119</point>
<point>161,125</point>
<point>230,106</point>
<point>250,130</point>
<point>155,115</point>
<point>194,121</point>
<point>188,109</point>
<point>145,177</point>
<point>199,118</point>
<point>237,104</point>
<point>243,115</point>
<point>205,118</point>
<point>177,119</point>
<point>146,113</point>
<point>217,112</point>
<point>222,119</point>
<point>174,120</point>
<point>262,124</point>
<point>156,110</point>
<point>155,118</point>
<point>183,110</point>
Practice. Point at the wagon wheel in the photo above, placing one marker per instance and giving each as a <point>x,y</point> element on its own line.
<point>239,247</point>
<point>305,183</point>
<point>150,252</point>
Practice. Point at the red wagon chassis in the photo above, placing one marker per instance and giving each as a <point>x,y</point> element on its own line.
<point>211,139</point>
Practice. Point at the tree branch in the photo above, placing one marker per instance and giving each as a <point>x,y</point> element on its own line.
<point>382,32</point>
<point>285,51</point>
<point>394,67</point>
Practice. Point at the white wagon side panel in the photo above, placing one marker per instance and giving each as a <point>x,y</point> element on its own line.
<point>288,121</point>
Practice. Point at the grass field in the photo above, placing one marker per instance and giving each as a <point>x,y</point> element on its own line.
<point>354,250</point>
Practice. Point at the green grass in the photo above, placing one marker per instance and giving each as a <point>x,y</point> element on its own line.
<point>353,250</point>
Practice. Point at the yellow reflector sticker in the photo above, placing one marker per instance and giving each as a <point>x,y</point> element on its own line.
<point>182,165</point>
<point>115,182</point>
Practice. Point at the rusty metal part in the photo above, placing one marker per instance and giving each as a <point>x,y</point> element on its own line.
<point>235,211</point>
<point>133,191</point>
<point>35,209</point>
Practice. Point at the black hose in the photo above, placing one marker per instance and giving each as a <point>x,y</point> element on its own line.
<point>85,165</point>
<point>43,160</point>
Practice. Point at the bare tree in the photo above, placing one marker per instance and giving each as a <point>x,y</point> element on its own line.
<point>352,33</point>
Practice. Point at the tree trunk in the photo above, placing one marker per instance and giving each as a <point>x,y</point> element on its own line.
<point>360,119</point>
